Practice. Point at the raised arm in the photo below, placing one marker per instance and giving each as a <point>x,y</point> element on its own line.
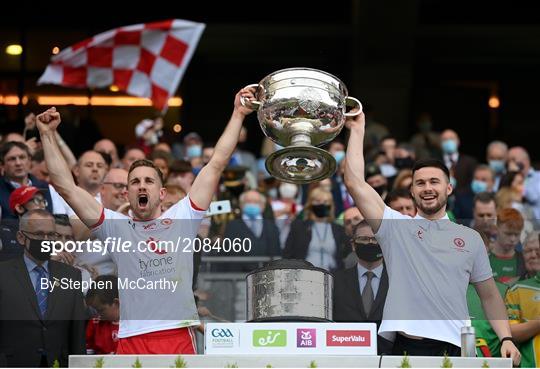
<point>84,204</point>
<point>206,182</point>
<point>365,197</point>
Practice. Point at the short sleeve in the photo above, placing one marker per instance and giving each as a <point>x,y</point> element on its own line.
<point>104,227</point>
<point>513,307</point>
<point>388,225</point>
<point>481,269</point>
<point>185,209</point>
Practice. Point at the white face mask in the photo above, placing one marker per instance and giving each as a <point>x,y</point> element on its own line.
<point>288,190</point>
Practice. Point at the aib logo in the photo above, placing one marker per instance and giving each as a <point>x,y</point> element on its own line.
<point>221,333</point>
<point>270,338</point>
<point>306,337</point>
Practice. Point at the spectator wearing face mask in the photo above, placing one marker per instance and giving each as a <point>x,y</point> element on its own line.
<point>342,199</point>
<point>386,156</point>
<point>496,156</point>
<point>483,181</point>
<point>317,239</point>
<point>404,156</point>
<point>461,166</point>
<point>263,233</point>
<point>39,326</point>
<point>360,291</point>
<point>285,209</point>
<point>192,146</point>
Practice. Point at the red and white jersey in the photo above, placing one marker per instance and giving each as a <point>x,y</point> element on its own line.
<point>155,272</point>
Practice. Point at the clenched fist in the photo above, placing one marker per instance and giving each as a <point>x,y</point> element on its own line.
<point>48,120</point>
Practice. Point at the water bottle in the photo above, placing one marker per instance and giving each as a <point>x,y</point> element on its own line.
<point>468,340</point>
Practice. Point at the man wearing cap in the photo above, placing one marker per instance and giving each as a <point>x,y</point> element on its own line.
<point>22,200</point>
<point>15,157</point>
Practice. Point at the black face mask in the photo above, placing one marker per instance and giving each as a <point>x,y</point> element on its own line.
<point>404,163</point>
<point>369,252</point>
<point>34,248</point>
<point>321,210</point>
<point>381,189</point>
<point>236,190</point>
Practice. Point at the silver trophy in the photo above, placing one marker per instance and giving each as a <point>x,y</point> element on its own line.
<point>300,109</point>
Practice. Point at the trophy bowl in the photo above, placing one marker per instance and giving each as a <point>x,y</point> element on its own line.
<point>301,109</point>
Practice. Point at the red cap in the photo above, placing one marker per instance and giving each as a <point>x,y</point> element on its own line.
<point>21,196</point>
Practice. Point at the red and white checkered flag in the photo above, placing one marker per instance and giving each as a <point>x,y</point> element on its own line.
<point>146,60</point>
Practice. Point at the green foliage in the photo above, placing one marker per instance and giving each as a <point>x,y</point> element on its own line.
<point>446,362</point>
<point>485,364</point>
<point>405,362</point>
<point>137,364</point>
<point>56,363</point>
<point>268,366</point>
<point>233,365</point>
<point>179,363</point>
<point>313,364</point>
<point>99,363</point>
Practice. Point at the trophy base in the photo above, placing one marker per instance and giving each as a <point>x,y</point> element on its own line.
<point>301,164</point>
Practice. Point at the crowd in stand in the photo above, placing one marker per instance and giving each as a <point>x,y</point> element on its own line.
<point>497,195</point>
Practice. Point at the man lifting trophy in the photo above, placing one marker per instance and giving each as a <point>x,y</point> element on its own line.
<point>301,109</point>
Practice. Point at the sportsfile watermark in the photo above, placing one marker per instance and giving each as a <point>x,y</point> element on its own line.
<point>150,244</point>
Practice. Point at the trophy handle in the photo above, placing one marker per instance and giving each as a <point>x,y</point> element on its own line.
<point>249,103</point>
<point>358,105</point>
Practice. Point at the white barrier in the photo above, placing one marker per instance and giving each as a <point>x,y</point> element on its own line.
<point>276,361</point>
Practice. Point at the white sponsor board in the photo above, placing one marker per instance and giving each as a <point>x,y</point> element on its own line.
<point>291,338</point>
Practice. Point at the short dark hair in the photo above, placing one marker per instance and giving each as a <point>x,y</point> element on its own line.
<point>160,154</point>
<point>104,295</point>
<point>38,156</point>
<point>361,224</point>
<point>6,147</point>
<point>106,156</point>
<point>431,163</point>
<point>397,194</point>
<point>180,167</point>
<point>146,163</point>
<point>484,198</point>
<point>62,219</point>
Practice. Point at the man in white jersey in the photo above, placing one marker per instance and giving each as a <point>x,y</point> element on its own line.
<point>430,261</point>
<point>157,308</point>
